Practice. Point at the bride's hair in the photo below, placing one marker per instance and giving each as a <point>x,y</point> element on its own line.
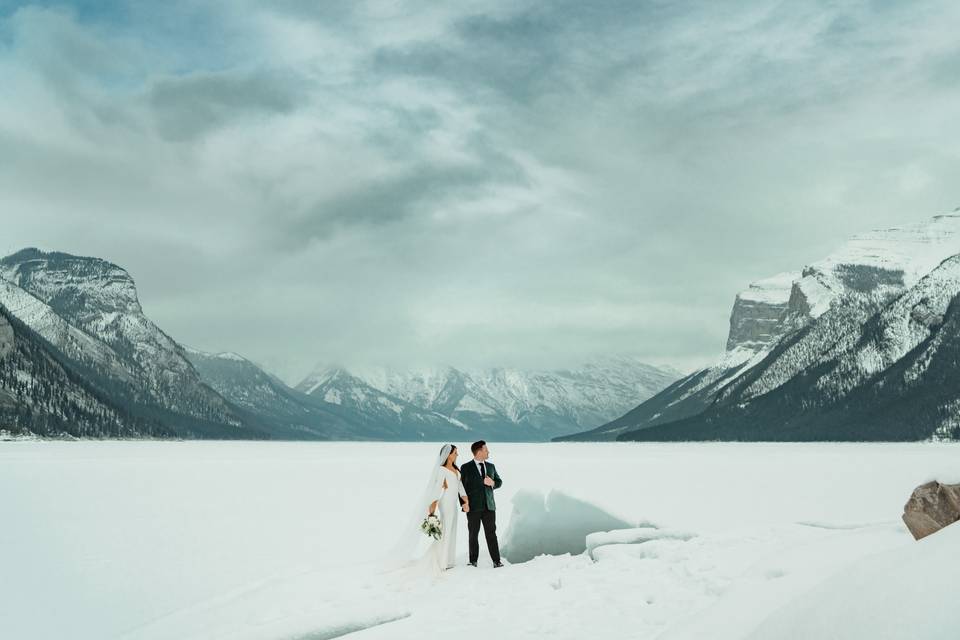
<point>453,448</point>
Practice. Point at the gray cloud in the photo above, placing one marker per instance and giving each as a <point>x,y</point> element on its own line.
<point>505,183</point>
<point>189,106</point>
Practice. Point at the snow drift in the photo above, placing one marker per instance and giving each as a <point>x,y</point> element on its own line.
<point>905,592</point>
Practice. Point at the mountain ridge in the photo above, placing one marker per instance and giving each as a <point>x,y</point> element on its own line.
<point>507,402</point>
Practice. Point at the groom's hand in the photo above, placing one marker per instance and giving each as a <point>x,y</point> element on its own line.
<point>488,481</point>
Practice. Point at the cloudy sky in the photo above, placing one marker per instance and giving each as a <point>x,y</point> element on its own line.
<point>514,183</point>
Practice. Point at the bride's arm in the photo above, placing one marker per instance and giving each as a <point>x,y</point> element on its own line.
<point>437,491</point>
<point>463,494</point>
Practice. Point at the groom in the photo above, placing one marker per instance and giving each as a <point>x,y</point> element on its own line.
<point>479,479</point>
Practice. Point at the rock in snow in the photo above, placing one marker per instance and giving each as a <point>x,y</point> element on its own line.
<point>931,507</point>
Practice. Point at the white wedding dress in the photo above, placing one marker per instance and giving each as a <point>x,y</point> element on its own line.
<point>416,551</point>
<point>440,556</point>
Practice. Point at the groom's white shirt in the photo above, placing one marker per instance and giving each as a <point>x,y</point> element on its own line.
<point>479,468</point>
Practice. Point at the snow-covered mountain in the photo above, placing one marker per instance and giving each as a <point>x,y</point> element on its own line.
<point>88,308</point>
<point>41,392</point>
<point>356,413</point>
<point>73,342</point>
<point>506,404</point>
<point>862,371</point>
<point>267,402</point>
<point>394,417</point>
<point>821,331</point>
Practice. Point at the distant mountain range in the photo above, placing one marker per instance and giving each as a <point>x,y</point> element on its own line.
<point>365,414</point>
<point>862,345</point>
<point>505,404</point>
<point>78,357</point>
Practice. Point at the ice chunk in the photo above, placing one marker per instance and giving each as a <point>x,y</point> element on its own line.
<point>553,524</point>
<point>632,536</point>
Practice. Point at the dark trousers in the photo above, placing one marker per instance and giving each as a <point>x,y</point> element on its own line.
<point>489,520</point>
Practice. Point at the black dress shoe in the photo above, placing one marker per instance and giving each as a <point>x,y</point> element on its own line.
<point>497,564</point>
<point>473,564</point>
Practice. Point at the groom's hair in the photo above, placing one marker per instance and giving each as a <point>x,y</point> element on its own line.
<point>476,446</point>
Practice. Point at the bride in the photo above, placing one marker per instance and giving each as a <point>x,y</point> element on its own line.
<point>450,489</point>
<point>442,494</point>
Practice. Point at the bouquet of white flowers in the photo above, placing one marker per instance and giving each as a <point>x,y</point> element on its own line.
<point>432,527</point>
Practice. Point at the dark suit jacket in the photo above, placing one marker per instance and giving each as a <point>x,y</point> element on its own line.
<point>479,494</point>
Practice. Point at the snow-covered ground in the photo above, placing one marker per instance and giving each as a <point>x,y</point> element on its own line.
<point>151,540</point>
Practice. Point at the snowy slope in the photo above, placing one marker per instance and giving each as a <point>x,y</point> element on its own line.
<point>880,263</point>
<point>267,402</point>
<point>236,378</point>
<point>905,253</point>
<point>907,591</point>
<point>829,300</point>
<point>41,394</point>
<point>58,332</point>
<point>389,416</point>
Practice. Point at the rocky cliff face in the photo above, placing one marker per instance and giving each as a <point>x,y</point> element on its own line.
<point>758,313</point>
<point>84,289</point>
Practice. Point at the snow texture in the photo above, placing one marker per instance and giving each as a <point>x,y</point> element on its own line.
<point>637,535</point>
<point>908,591</point>
<point>773,290</point>
<point>215,540</point>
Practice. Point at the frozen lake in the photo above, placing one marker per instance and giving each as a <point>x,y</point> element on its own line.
<point>274,540</point>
